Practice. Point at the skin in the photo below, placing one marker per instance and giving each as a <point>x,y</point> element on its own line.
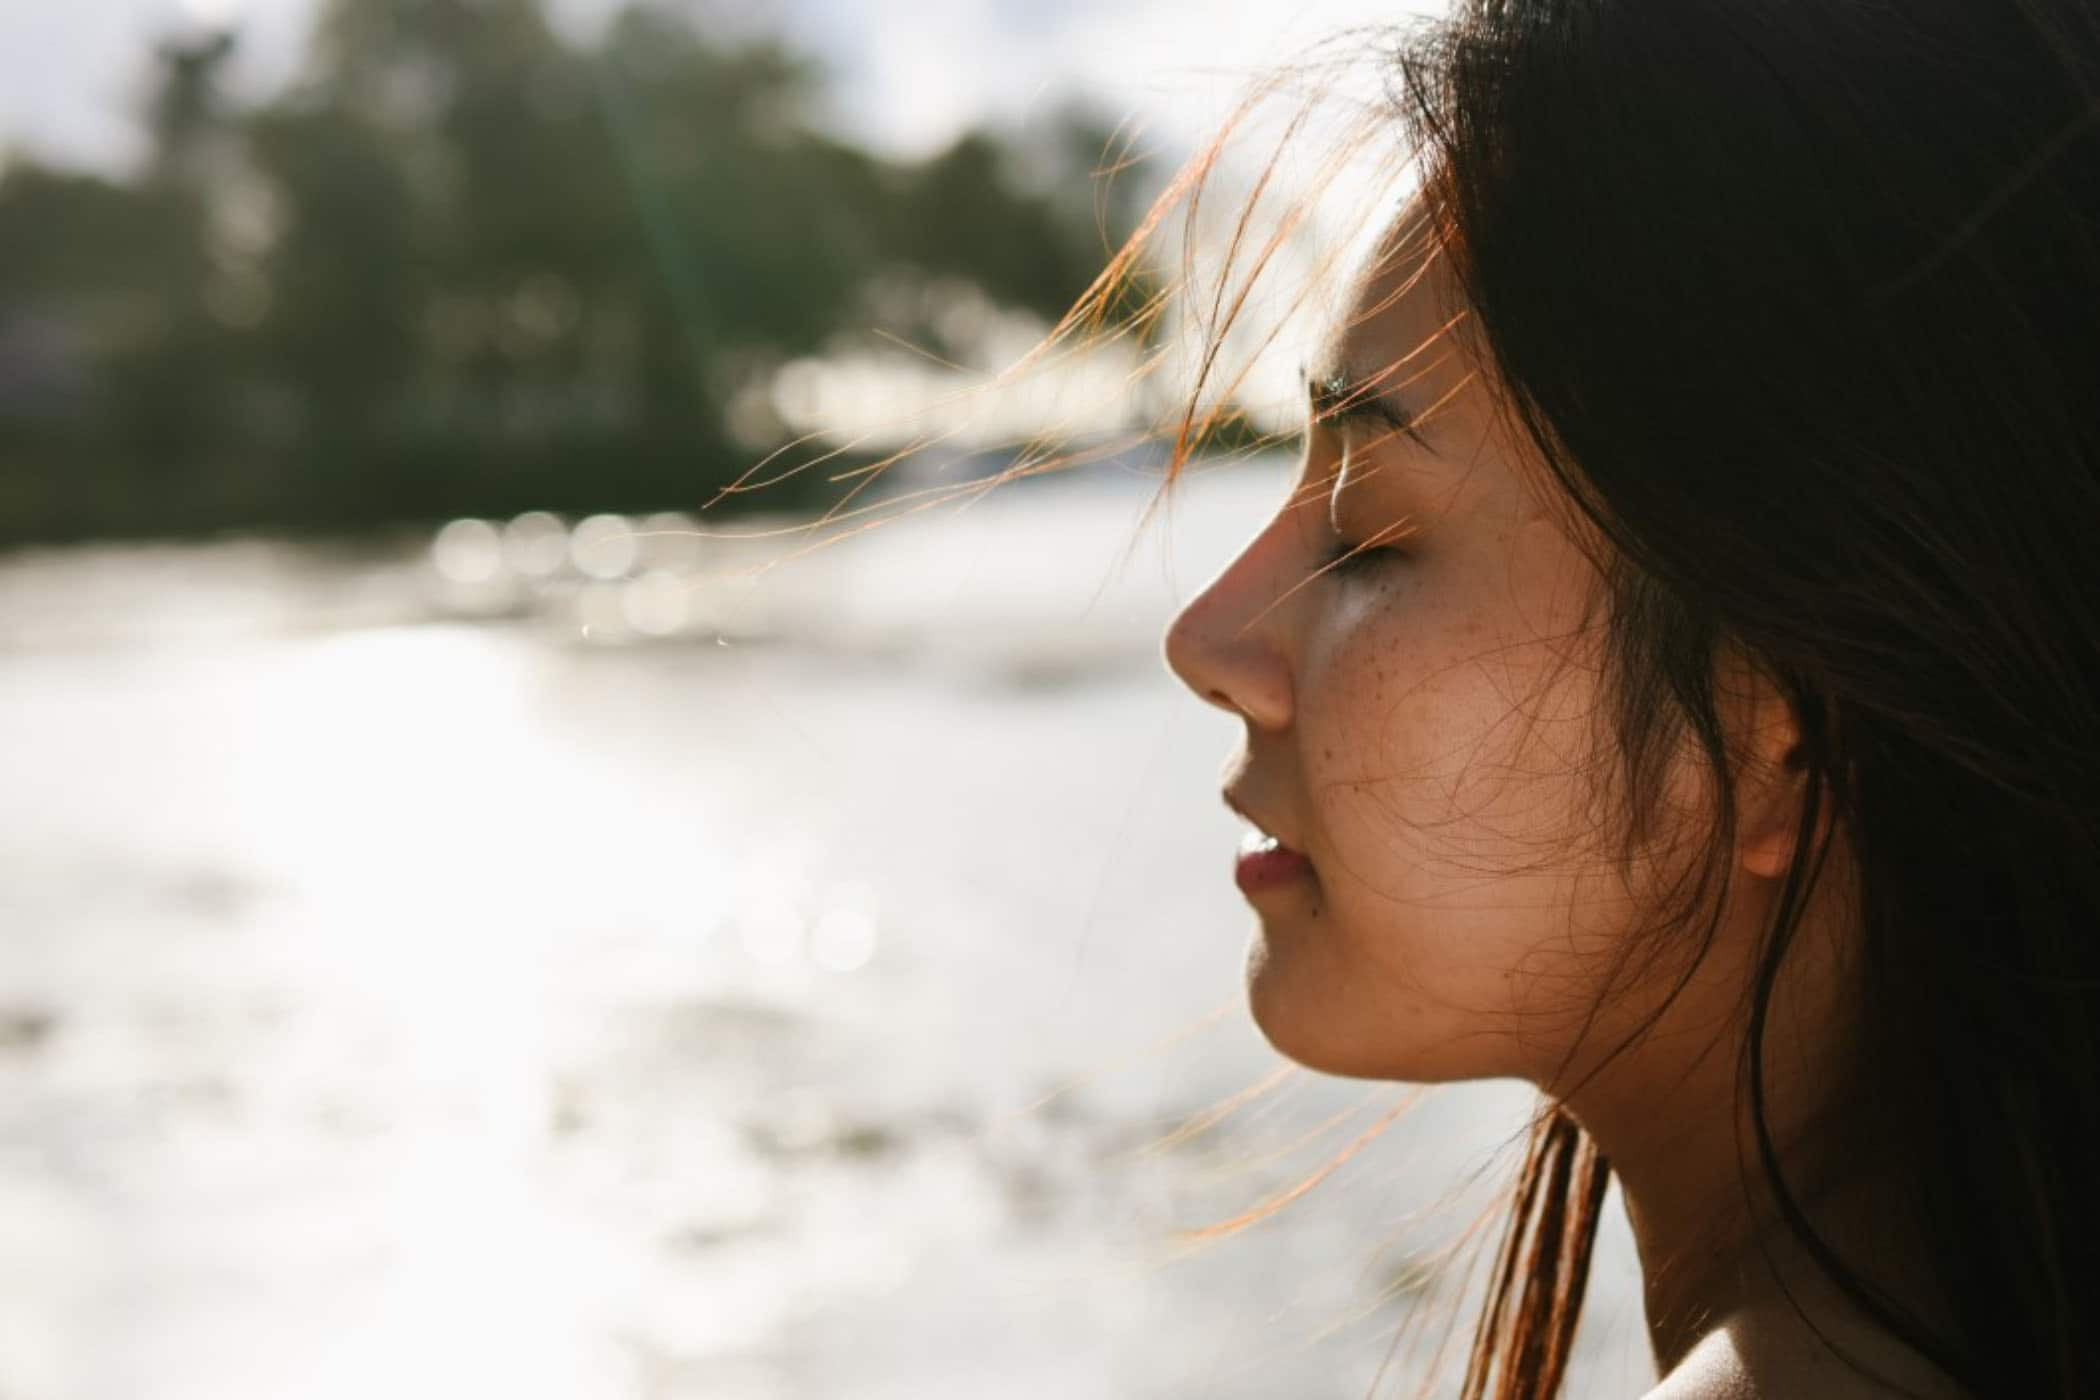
<point>1428,730</point>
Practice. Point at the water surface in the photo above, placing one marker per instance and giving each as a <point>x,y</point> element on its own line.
<point>603,973</point>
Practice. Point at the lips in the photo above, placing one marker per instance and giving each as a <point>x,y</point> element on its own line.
<point>1263,864</point>
<point>1264,861</point>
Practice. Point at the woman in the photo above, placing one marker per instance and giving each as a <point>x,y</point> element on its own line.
<point>1674,676</point>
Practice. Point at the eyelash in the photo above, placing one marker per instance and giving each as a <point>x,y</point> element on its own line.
<point>1342,425</point>
<point>1346,560</point>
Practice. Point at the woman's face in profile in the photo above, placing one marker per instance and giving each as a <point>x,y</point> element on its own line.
<point>1418,720</point>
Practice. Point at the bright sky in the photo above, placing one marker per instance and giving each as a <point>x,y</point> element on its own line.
<point>912,73</point>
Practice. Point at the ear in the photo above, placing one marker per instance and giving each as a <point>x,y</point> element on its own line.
<point>1765,835</point>
<point>1771,787</point>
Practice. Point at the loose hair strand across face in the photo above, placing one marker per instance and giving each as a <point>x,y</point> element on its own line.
<point>1797,305</point>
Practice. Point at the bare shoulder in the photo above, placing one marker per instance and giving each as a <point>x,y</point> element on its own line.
<point>1770,1354</point>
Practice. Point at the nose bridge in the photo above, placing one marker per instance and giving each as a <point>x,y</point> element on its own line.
<point>1227,644</point>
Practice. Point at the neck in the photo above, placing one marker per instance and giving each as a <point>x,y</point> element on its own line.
<point>1704,1222</point>
<point>1695,1221</point>
<point>1672,1117</point>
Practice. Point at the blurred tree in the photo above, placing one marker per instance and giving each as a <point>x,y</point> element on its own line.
<point>345,283</point>
<point>187,113</point>
<point>121,371</point>
<point>76,289</point>
<point>469,264</point>
<point>73,243</point>
<point>173,383</point>
<point>1016,247</point>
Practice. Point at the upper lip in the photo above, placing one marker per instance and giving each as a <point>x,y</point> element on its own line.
<point>1233,801</point>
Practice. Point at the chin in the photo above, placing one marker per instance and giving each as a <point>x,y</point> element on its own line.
<point>1296,1009</point>
<point>1301,1025</point>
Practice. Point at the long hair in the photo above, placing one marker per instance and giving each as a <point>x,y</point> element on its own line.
<point>1799,303</point>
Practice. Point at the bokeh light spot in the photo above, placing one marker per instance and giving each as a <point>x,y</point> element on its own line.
<point>468,551</point>
<point>603,547</point>
<point>536,544</point>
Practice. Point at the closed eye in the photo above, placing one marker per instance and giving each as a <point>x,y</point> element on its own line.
<point>1348,558</point>
<point>1345,560</point>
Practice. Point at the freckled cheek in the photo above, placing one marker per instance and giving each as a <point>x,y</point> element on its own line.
<point>1423,762</point>
<point>1385,719</point>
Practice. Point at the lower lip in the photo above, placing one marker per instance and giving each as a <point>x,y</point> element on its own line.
<point>1265,870</point>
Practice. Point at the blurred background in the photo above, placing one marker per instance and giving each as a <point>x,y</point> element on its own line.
<point>489,906</point>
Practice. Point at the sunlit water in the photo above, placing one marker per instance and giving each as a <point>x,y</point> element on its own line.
<point>561,964</point>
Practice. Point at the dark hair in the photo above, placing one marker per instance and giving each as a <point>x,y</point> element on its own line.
<point>1799,302</point>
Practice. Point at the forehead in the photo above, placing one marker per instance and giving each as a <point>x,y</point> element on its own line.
<point>1401,325</point>
<point>1404,330</point>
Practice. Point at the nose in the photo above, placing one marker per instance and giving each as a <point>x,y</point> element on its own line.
<point>1226,644</point>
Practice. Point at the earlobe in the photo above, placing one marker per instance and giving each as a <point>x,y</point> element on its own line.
<point>1767,830</point>
<point>1768,849</point>
<point>1771,784</point>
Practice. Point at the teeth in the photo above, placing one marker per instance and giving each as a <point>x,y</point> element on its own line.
<point>1256,843</point>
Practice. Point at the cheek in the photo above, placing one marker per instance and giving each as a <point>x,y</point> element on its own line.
<point>1445,755</point>
<point>1448,772</point>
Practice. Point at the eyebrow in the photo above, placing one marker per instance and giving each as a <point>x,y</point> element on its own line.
<point>1339,399</point>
